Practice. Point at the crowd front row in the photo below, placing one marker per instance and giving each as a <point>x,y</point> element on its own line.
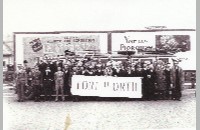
<point>160,81</point>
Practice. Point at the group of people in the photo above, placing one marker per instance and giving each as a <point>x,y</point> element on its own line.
<point>160,80</point>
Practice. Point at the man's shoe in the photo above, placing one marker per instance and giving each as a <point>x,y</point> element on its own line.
<point>178,99</point>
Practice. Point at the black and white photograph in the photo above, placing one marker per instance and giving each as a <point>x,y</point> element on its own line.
<point>99,65</point>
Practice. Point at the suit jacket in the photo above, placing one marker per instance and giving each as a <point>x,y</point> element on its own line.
<point>48,75</point>
<point>120,73</point>
<point>37,78</point>
<point>98,73</point>
<point>174,76</point>
<point>20,76</point>
<point>42,67</point>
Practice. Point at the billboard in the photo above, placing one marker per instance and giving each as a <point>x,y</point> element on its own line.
<point>32,46</point>
<point>144,41</point>
<point>179,43</point>
<point>53,46</point>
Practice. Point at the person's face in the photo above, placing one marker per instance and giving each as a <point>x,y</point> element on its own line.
<point>36,68</point>
<point>158,65</point>
<point>184,43</point>
<point>66,66</point>
<point>144,65</point>
<point>135,62</point>
<point>176,63</point>
<point>33,69</point>
<point>167,66</point>
<point>117,67</point>
<point>59,68</point>
<point>73,60</point>
<point>148,67</point>
<point>20,67</point>
<point>139,68</point>
<point>162,67</point>
<point>99,60</point>
<point>128,68</point>
<point>74,68</point>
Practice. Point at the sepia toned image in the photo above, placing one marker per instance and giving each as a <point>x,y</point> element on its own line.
<point>99,65</point>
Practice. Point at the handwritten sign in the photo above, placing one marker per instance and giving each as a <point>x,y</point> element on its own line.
<point>106,86</point>
<point>132,41</point>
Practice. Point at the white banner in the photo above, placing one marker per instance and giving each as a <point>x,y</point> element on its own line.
<point>107,86</point>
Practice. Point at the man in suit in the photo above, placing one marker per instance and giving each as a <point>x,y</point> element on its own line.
<point>28,71</point>
<point>145,84</point>
<point>150,77</point>
<point>176,80</point>
<point>167,73</point>
<point>47,83</point>
<point>67,80</point>
<point>42,67</point>
<point>59,83</point>
<point>119,71</point>
<point>129,72</point>
<point>21,82</point>
<point>98,71</point>
<point>58,63</point>
<point>36,83</point>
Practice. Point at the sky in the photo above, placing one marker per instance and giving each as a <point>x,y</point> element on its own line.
<point>96,15</point>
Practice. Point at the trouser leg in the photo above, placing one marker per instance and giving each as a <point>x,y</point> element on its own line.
<point>45,90</point>
<point>22,91</point>
<point>62,92</point>
<point>18,91</point>
<point>57,91</point>
<point>37,92</point>
<point>50,89</point>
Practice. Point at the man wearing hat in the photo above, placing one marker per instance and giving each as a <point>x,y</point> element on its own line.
<point>21,82</point>
<point>160,80</point>
<point>42,66</point>
<point>28,71</point>
<point>150,76</point>
<point>48,83</point>
<point>167,73</point>
<point>176,80</point>
<point>146,81</point>
<point>88,71</point>
<point>67,79</point>
<point>98,71</point>
<point>108,71</point>
<point>139,71</point>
